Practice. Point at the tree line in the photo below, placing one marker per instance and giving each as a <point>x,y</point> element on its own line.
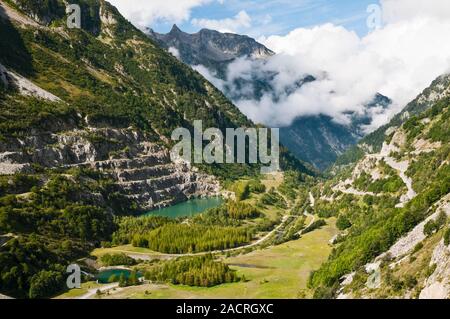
<point>183,239</point>
<point>194,271</point>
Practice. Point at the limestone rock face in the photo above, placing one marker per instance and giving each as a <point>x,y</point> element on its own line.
<point>141,169</point>
<point>437,286</point>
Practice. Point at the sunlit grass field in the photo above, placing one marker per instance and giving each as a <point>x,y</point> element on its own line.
<point>275,272</point>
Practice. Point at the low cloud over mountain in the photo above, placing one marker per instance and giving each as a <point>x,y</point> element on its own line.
<point>398,60</point>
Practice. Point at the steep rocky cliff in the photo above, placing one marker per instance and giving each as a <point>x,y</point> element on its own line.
<point>127,153</point>
<point>142,170</point>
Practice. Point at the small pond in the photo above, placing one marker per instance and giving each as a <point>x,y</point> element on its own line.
<point>105,276</point>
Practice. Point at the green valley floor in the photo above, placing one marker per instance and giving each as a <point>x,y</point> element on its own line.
<point>275,272</point>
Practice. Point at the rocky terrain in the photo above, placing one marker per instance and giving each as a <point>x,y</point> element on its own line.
<point>142,170</point>
<point>373,142</point>
<point>412,164</point>
<point>136,159</point>
<point>432,285</point>
<point>210,48</point>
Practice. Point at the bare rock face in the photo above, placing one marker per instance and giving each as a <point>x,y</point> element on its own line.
<point>25,86</point>
<point>141,169</point>
<point>437,286</point>
<point>209,47</point>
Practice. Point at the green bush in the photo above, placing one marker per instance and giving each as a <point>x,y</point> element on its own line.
<point>45,284</point>
<point>447,237</point>
<point>126,281</point>
<point>418,247</point>
<point>272,198</point>
<point>433,226</point>
<point>316,225</point>
<point>255,186</point>
<point>242,191</point>
<point>343,223</point>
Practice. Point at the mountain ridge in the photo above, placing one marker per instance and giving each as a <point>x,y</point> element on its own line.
<point>373,142</point>
<point>314,139</point>
<point>209,47</point>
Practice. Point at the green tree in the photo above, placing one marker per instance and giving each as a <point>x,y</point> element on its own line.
<point>343,223</point>
<point>133,279</point>
<point>45,284</point>
<point>123,280</point>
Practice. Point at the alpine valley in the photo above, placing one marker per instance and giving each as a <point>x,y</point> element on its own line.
<point>86,117</point>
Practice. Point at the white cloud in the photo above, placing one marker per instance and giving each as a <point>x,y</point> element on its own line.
<point>175,52</point>
<point>239,22</point>
<point>143,13</point>
<point>398,10</point>
<point>211,77</point>
<point>398,60</point>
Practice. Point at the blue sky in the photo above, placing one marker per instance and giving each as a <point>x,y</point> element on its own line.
<point>278,17</point>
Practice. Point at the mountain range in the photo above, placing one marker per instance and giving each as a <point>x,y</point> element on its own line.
<point>318,139</point>
<point>210,48</point>
<point>388,190</point>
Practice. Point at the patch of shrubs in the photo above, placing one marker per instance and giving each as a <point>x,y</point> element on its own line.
<point>434,226</point>
<point>316,225</point>
<point>117,260</point>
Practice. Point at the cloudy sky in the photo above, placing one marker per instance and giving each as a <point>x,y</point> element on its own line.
<point>355,48</point>
<point>253,17</point>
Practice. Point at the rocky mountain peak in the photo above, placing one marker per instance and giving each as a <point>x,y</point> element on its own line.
<point>175,30</point>
<point>210,48</point>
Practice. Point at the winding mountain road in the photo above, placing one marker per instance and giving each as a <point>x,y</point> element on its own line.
<point>401,168</point>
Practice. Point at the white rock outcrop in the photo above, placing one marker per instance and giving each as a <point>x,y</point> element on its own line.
<point>142,170</point>
<point>437,286</point>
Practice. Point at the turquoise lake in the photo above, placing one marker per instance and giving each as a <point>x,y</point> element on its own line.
<point>104,276</point>
<point>189,208</point>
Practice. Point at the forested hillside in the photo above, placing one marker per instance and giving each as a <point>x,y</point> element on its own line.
<point>85,122</point>
<point>374,141</point>
<point>391,204</point>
